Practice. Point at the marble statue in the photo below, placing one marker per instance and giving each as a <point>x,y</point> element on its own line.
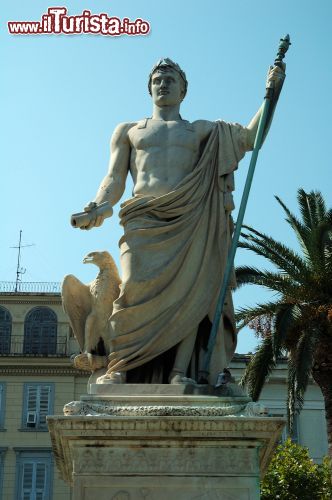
<point>177,230</point>
<point>89,308</point>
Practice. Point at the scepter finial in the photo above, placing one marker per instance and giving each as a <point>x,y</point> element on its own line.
<point>282,49</point>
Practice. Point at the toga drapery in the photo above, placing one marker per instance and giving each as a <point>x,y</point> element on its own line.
<point>173,254</point>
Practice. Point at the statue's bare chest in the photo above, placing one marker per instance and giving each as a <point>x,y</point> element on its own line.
<point>151,134</point>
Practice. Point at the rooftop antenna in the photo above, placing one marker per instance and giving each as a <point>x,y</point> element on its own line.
<point>20,270</point>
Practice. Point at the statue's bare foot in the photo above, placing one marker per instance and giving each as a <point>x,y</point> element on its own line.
<point>96,362</point>
<point>90,362</point>
<point>81,362</point>
<point>181,379</point>
<point>112,378</point>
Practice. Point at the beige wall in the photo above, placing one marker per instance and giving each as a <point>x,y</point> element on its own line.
<point>67,388</point>
<point>69,384</point>
<point>311,424</point>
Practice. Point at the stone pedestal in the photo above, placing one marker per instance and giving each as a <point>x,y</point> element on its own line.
<point>160,442</point>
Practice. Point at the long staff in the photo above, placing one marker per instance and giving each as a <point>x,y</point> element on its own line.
<point>283,47</point>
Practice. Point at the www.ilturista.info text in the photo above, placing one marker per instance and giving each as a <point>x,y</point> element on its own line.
<point>57,22</point>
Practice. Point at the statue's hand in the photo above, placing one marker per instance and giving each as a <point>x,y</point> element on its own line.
<point>275,77</point>
<point>93,215</point>
<point>96,219</point>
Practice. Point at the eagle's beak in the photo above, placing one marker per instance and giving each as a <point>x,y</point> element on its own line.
<point>87,260</point>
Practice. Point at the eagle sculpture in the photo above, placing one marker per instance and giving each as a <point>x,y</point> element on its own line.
<point>89,308</point>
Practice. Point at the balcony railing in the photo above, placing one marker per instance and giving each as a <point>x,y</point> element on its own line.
<point>30,287</point>
<point>17,346</point>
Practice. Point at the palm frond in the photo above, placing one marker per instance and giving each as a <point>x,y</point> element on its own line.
<point>327,244</point>
<point>280,255</point>
<point>285,319</point>
<point>328,262</point>
<point>246,275</point>
<point>309,233</point>
<point>304,357</point>
<point>300,362</point>
<point>301,231</point>
<point>253,275</point>
<point>259,367</point>
<point>312,207</point>
<point>319,204</point>
<point>280,283</point>
<point>246,314</point>
<point>320,241</point>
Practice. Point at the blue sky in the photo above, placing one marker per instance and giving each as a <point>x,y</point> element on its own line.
<point>62,97</point>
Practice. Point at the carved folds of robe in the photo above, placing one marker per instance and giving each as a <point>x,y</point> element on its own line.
<point>173,254</point>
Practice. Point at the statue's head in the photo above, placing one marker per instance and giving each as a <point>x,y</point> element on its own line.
<point>165,65</point>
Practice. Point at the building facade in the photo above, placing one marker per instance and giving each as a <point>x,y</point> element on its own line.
<point>310,425</point>
<point>37,378</point>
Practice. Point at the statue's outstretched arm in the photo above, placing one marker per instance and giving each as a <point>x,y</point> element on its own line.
<point>275,79</point>
<point>112,186</point>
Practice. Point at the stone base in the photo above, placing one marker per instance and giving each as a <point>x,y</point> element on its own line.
<point>153,442</point>
<point>165,488</point>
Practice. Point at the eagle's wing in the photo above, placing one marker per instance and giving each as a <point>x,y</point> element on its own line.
<point>77,303</point>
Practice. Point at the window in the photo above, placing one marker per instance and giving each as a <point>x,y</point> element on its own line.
<point>285,433</point>
<point>2,404</point>
<point>34,471</point>
<point>40,331</point>
<point>2,457</point>
<point>37,404</point>
<point>5,330</point>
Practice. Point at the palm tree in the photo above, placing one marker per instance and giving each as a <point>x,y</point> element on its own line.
<point>298,322</point>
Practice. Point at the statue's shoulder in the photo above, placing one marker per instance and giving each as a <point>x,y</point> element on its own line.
<point>121,133</point>
<point>203,127</point>
<point>125,126</point>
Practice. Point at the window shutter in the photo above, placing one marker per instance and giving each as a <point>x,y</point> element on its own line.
<point>34,481</point>
<point>5,330</point>
<point>40,331</point>
<point>44,403</point>
<point>40,481</point>
<point>38,405</point>
<point>27,481</point>
<point>32,398</point>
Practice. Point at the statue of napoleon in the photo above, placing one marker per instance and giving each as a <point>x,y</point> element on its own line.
<point>177,231</point>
